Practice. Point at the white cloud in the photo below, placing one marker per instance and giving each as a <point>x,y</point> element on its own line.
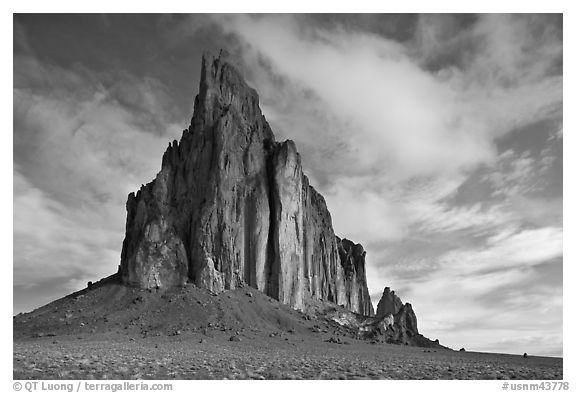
<point>397,115</point>
<point>373,90</point>
<point>361,213</point>
<point>516,174</point>
<point>438,217</point>
<point>52,241</point>
<point>80,148</point>
<point>77,134</point>
<point>503,250</point>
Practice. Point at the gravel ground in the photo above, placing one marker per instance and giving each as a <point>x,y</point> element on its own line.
<point>117,332</point>
<point>293,357</point>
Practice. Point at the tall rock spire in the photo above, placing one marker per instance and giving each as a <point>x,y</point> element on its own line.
<point>389,303</point>
<point>231,206</point>
<point>404,316</point>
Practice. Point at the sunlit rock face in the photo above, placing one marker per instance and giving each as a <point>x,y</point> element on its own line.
<point>231,206</point>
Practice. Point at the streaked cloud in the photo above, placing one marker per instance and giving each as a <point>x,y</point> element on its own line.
<point>397,115</point>
<point>80,147</point>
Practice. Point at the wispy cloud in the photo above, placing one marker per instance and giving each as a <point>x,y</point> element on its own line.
<point>396,114</point>
<point>81,145</point>
<point>503,250</point>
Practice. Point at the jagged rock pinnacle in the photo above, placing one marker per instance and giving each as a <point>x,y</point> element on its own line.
<point>404,316</point>
<point>389,303</point>
<point>232,207</point>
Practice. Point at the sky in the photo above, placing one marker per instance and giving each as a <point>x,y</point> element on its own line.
<point>435,139</point>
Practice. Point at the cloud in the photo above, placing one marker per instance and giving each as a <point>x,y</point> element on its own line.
<point>372,88</point>
<point>81,145</point>
<point>397,115</point>
<point>376,210</point>
<point>436,217</point>
<point>53,241</point>
<point>517,174</point>
<point>365,214</point>
<point>72,132</point>
<point>509,249</point>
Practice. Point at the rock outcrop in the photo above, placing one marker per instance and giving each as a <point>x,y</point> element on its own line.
<point>352,258</point>
<point>395,322</point>
<point>231,206</point>
<point>389,304</point>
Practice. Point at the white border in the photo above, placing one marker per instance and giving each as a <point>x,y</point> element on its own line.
<point>420,6</point>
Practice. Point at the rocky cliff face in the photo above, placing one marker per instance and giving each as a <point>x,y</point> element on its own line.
<point>352,258</point>
<point>231,206</point>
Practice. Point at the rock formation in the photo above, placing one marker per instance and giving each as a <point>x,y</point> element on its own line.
<point>395,321</point>
<point>352,258</point>
<point>389,304</point>
<point>231,206</point>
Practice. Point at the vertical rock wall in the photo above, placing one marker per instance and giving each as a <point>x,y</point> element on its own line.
<point>232,206</point>
<point>352,258</point>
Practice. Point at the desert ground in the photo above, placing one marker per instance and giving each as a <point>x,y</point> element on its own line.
<point>115,332</point>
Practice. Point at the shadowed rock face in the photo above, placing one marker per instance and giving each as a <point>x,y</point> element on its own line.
<point>352,258</point>
<point>389,304</point>
<point>395,321</point>
<point>404,316</point>
<point>406,319</point>
<point>231,206</point>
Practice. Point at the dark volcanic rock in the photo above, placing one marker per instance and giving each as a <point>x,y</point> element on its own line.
<point>207,211</point>
<point>405,323</point>
<point>231,206</point>
<point>395,322</point>
<point>406,319</point>
<point>389,304</point>
<point>352,257</point>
